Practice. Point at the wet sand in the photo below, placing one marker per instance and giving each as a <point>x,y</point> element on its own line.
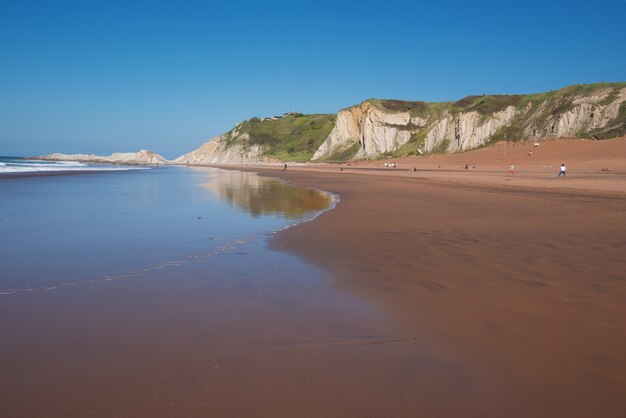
<point>522,285</point>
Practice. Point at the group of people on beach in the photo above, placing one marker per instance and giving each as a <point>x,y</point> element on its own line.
<point>562,170</point>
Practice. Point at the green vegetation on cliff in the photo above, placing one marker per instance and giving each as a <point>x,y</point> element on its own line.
<point>424,110</point>
<point>292,137</point>
<point>557,102</point>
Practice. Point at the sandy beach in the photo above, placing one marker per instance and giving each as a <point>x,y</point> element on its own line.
<point>441,292</point>
<point>519,281</point>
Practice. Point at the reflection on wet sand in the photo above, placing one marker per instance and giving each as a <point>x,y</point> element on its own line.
<point>267,196</point>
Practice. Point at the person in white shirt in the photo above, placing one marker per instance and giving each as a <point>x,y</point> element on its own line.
<point>562,170</point>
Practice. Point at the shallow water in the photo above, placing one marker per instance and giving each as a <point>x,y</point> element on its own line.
<point>65,229</point>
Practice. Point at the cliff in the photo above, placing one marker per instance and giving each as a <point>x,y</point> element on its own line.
<point>231,148</point>
<point>289,137</point>
<point>377,128</point>
<point>143,157</point>
<point>392,127</point>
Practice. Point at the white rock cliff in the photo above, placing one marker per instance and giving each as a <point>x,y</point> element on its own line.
<point>374,130</point>
<point>466,131</point>
<point>588,112</point>
<point>143,157</point>
<point>229,148</point>
<point>378,131</point>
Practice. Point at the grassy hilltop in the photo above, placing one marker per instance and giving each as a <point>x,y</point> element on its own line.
<point>291,137</point>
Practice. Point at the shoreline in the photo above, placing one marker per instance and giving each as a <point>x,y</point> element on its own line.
<point>11,176</point>
<point>526,280</point>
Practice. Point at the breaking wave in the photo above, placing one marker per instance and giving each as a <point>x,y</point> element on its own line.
<point>39,166</point>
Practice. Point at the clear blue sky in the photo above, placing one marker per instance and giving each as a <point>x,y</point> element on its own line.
<point>105,76</point>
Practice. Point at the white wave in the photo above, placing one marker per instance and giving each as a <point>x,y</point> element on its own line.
<point>40,163</point>
<point>71,164</point>
<point>67,163</point>
<point>42,168</point>
<point>52,163</point>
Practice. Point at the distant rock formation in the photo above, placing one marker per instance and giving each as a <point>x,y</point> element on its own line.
<point>143,157</point>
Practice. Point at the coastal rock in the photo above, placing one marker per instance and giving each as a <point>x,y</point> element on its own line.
<point>466,131</point>
<point>377,131</point>
<point>228,148</point>
<point>374,130</point>
<point>586,113</point>
<point>142,157</point>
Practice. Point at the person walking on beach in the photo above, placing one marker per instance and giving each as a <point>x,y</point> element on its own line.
<point>562,170</point>
<point>512,169</point>
<point>285,167</point>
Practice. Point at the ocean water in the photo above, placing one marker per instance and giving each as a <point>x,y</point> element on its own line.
<point>62,230</point>
<point>16,165</point>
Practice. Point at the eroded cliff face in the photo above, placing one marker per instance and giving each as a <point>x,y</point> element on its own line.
<point>370,130</point>
<point>229,148</point>
<point>466,131</point>
<point>588,113</point>
<point>377,132</point>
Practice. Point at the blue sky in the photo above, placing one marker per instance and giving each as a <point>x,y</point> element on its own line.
<point>107,76</point>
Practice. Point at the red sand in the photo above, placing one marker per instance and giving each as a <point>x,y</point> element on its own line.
<point>591,165</point>
<point>523,277</point>
<point>497,296</point>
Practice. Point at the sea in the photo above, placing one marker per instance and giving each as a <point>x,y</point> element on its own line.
<point>14,165</point>
<point>66,222</point>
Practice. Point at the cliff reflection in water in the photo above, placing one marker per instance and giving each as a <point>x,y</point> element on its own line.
<point>267,196</point>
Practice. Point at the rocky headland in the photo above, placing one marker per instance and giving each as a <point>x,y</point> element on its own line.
<point>142,157</point>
